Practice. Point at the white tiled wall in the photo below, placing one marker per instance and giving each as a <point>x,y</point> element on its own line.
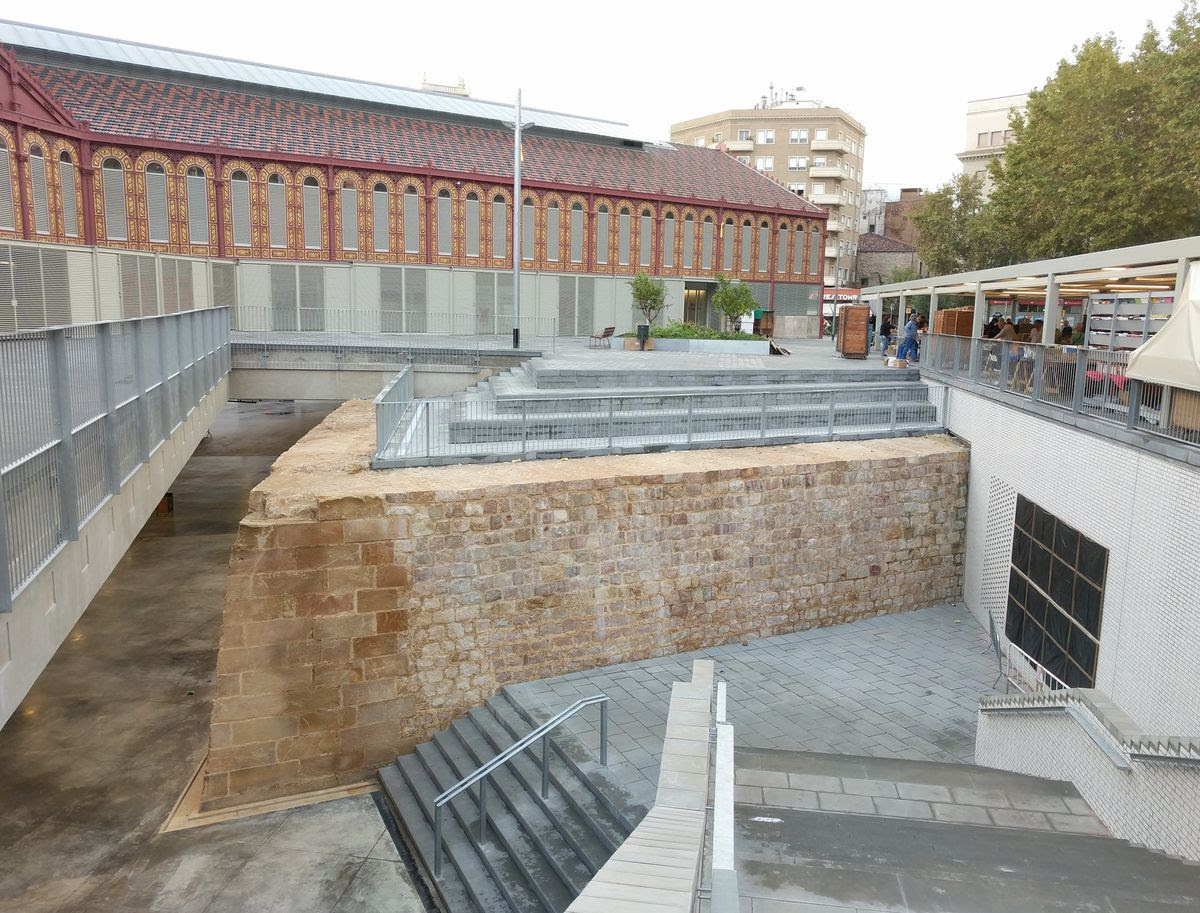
<point>1144,508</point>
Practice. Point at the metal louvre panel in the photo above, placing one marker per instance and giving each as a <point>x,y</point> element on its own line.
<point>706,249</point>
<point>149,282</point>
<point>391,299</point>
<point>412,222</point>
<point>7,215</point>
<point>379,217</point>
<point>814,252</point>
<point>623,228</point>
<point>646,240</point>
<point>747,237</point>
<point>585,303</point>
<point>576,234</point>
<point>41,206</point>
<point>82,279</point>
<point>485,301</point>
<point>224,280</point>
<point>798,257</point>
<point>728,245</point>
<point>553,230</point>
<point>689,242</point>
<point>416,299</point>
<point>349,218</point>
<point>156,206</point>
<point>241,212</point>
<point>56,286</point>
<point>131,287</point>
<point>66,177</point>
<point>197,204</point>
<point>112,183</point>
<point>764,248</point>
<point>283,298</point>
<point>668,242</point>
<point>277,214</point>
<point>602,238</point>
<point>528,232</point>
<point>185,285</point>
<point>472,227</point>
<point>109,305</point>
<point>26,266</point>
<point>170,287</point>
<point>566,305</point>
<point>781,261</point>
<point>312,217</point>
<point>504,294</point>
<point>445,227</point>
<point>499,229</point>
<point>312,297</point>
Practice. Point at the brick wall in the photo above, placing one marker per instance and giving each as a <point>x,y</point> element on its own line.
<point>366,609</point>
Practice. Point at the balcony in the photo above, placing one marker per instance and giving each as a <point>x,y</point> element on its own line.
<point>831,250</point>
<point>739,145</point>
<point>830,145</point>
<point>826,199</point>
<point>830,281</point>
<point>827,171</point>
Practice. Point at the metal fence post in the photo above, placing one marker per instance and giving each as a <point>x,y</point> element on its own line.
<point>1039,365</point>
<point>5,581</point>
<point>895,408</point>
<point>1005,355</point>
<point>1081,363</point>
<point>762,418</point>
<point>139,378</point>
<point>68,503</point>
<point>604,734</point>
<point>437,841</point>
<point>976,368</point>
<point>428,422</point>
<point>1135,404</point>
<point>832,405</point>
<point>165,371</point>
<point>689,420</point>
<point>524,426</point>
<point>483,797</point>
<point>108,424</point>
<point>545,766</point>
<point>610,423</point>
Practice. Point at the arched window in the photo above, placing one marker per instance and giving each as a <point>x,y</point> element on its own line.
<point>623,238</point>
<point>8,214</point>
<point>276,211</point>
<point>412,221</point>
<point>112,182</point>
<point>668,241</point>
<point>576,233</point>
<point>646,239</point>
<point>66,179</point>
<point>472,227</point>
<point>764,247</point>
<point>781,256</point>
<point>379,218</point>
<point>602,232</point>
<point>445,224</point>
<point>349,216</point>
<point>747,238</point>
<point>798,247</point>
<point>708,251</point>
<point>239,193</point>
<point>553,229</point>
<point>689,242</point>
<point>814,252</point>
<point>728,230</point>
<point>197,206</point>
<point>499,227</point>
<point>156,203</point>
<point>311,204</point>
<point>528,238</point>
<point>41,200</point>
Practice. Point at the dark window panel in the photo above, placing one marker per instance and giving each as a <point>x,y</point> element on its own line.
<point>1035,606</point>
<point>1087,606</point>
<point>1057,625</point>
<point>1066,542</point>
<point>1054,658</point>
<point>1025,510</point>
<point>1093,561</point>
<point>1082,651</point>
<point>1043,527</point>
<point>1016,588</point>
<point>1031,639</point>
<point>1076,678</point>
<point>1062,581</point>
<point>1014,622</point>
<point>1021,550</point>
<point>1039,566</point>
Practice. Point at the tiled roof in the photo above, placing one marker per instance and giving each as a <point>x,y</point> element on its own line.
<point>145,108</point>
<point>878,244</point>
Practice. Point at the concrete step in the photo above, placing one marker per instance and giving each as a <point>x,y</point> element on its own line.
<point>536,853</point>
<point>665,376</point>
<point>511,399</point>
<point>579,423</point>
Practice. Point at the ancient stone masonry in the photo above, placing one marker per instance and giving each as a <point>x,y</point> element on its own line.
<point>366,609</point>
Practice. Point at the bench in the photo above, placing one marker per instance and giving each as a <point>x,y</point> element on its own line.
<point>596,340</point>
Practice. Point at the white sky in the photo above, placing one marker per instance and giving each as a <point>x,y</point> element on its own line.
<point>904,69</point>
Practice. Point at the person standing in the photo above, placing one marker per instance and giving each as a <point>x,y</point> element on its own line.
<point>886,331</point>
<point>909,345</point>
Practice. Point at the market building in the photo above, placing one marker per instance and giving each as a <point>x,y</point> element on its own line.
<point>121,145</point>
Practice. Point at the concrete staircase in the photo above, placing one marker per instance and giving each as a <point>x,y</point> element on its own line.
<point>537,854</point>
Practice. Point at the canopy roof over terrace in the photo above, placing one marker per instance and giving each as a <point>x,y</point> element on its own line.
<point>1172,355</point>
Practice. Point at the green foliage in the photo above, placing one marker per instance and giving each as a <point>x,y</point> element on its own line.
<point>1104,157</point>
<point>678,330</point>
<point>903,274</point>
<point>733,299</point>
<point>956,231</point>
<point>649,296</point>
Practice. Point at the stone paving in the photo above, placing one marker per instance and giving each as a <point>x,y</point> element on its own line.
<point>895,686</point>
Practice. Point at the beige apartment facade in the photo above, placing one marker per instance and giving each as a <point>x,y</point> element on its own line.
<point>815,151</point>
<point>987,133</point>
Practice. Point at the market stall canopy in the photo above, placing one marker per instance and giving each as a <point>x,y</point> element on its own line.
<point>1172,355</point>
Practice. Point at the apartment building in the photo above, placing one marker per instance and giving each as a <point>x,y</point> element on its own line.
<point>987,132</point>
<point>816,151</point>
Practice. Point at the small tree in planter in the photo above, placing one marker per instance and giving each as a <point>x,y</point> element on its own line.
<point>733,299</point>
<point>649,299</point>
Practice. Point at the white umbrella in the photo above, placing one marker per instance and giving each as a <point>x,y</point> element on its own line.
<point>1172,355</point>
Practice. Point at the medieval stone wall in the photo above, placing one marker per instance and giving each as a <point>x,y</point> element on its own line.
<point>366,609</point>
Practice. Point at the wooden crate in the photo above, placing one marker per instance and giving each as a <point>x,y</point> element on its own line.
<point>954,322</point>
<point>852,337</point>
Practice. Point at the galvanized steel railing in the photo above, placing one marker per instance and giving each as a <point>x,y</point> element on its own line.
<point>480,776</point>
<point>81,408</point>
<point>450,431</point>
<point>1079,380</point>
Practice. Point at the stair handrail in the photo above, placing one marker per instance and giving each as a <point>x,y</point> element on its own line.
<point>481,774</point>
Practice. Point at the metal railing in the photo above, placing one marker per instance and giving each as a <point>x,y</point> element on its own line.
<point>481,775</point>
<point>81,408</point>
<point>373,320</point>
<point>449,431</point>
<point>1082,381</point>
<point>318,354</point>
<point>392,402</point>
